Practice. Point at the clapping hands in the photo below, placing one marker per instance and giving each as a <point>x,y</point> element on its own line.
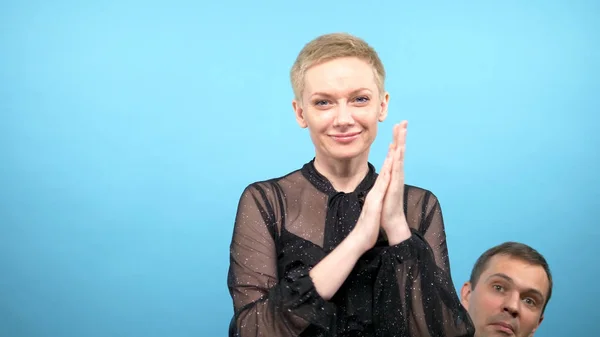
<point>384,205</point>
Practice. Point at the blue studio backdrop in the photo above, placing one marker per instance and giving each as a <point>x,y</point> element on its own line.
<point>128,130</point>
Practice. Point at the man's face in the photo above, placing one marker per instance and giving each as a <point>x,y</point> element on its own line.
<point>508,298</point>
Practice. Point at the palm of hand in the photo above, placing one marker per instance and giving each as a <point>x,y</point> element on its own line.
<point>384,205</point>
<point>392,215</point>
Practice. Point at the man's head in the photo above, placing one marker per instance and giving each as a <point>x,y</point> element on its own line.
<point>508,291</point>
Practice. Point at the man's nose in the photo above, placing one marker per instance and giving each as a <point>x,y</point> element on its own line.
<point>511,304</point>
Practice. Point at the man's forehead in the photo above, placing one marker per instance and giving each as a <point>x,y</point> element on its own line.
<point>520,272</point>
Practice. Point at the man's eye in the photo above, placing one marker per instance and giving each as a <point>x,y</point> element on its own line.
<point>362,99</point>
<point>498,287</point>
<point>321,102</point>
<point>530,301</point>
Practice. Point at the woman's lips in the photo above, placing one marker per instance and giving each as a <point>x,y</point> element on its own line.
<point>345,137</point>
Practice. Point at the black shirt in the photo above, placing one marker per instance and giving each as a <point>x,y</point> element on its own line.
<point>285,226</point>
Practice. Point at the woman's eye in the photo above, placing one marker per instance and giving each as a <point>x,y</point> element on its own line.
<point>362,99</point>
<point>321,102</point>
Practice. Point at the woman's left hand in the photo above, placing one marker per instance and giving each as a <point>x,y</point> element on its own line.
<point>393,219</point>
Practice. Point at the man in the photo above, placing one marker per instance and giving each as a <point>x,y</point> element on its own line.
<point>508,291</point>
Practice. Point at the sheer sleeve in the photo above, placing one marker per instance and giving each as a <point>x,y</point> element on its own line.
<point>265,303</point>
<point>416,275</point>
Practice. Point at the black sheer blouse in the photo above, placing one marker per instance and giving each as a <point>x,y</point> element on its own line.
<point>285,226</point>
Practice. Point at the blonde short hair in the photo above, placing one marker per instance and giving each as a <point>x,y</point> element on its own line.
<point>332,46</point>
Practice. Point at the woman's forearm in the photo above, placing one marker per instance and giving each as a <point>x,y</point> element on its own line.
<point>329,274</point>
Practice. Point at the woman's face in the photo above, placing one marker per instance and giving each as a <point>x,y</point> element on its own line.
<point>341,106</point>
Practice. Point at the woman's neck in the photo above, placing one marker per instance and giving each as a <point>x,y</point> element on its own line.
<point>344,175</point>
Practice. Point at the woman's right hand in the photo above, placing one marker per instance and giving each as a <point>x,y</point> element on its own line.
<point>367,227</point>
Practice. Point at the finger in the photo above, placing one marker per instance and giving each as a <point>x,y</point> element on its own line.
<point>395,135</point>
<point>386,168</point>
<point>402,141</point>
<point>398,162</point>
<point>397,169</point>
<point>399,133</point>
<point>388,157</point>
<point>382,181</point>
<point>397,178</point>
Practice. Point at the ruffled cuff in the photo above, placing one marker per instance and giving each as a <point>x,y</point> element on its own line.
<point>411,249</point>
<point>299,296</point>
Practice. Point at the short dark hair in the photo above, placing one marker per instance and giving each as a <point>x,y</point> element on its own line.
<point>515,250</point>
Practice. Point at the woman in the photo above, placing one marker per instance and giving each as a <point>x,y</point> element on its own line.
<point>335,249</point>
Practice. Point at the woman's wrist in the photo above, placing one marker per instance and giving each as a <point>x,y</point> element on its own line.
<point>358,243</point>
<point>398,232</point>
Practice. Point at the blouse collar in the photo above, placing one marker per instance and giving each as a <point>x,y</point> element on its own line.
<point>324,185</point>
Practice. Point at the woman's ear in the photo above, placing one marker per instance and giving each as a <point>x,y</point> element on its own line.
<point>299,112</point>
<point>383,111</point>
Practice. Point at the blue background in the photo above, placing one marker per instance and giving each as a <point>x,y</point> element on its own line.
<point>129,129</point>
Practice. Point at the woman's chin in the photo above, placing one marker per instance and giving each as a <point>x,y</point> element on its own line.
<point>345,154</point>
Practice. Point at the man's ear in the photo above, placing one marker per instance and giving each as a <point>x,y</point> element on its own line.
<point>465,294</point>
<point>299,112</point>
<point>384,107</point>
